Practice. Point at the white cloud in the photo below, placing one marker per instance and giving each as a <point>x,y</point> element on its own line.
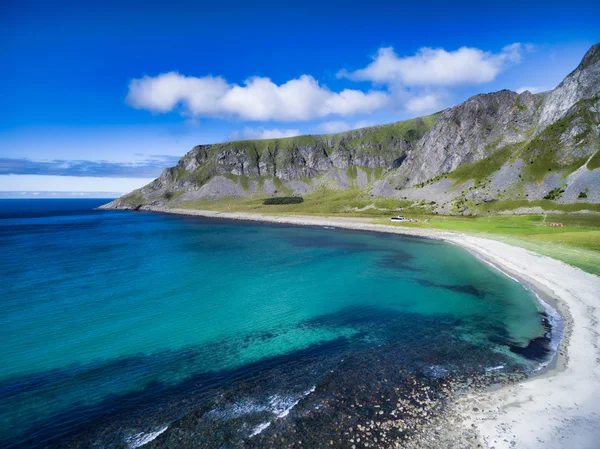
<point>424,104</point>
<point>438,67</point>
<point>258,99</point>
<point>261,133</point>
<point>363,124</point>
<point>334,126</point>
<point>39,183</point>
<point>532,89</point>
<point>337,126</point>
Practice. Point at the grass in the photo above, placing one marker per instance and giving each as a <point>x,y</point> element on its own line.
<point>323,201</point>
<point>280,186</point>
<point>243,180</point>
<point>482,169</point>
<point>352,174</point>
<point>179,174</point>
<point>594,162</point>
<point>245,183</point>
<point>135,198</point>
<point>547,205</point>
<point>542,153</point>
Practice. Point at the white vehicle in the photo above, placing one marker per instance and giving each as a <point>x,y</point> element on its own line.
<point>398,218</point>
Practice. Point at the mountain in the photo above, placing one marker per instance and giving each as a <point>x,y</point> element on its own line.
<point>501,146</point>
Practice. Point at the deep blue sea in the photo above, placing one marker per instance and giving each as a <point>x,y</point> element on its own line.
<point>119,327</point>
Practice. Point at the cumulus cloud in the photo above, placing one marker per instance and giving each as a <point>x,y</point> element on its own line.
<point>424,104</point>
<point>364,124</point>
<point>337,126</point>
<point>334,126</point>
<point>532,89</point>
<point>257,99</point>
<point>261,133</point>
<point>438,67</point>
<point>418,83</point>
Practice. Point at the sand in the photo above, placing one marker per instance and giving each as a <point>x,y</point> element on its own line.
<point>559,409</point>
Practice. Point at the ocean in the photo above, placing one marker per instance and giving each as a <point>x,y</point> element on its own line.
<point>119,329</point>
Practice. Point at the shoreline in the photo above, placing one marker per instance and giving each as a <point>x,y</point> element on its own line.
<point>559,406</point>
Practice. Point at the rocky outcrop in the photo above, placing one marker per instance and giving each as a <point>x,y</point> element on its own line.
<point>467,133</point>
<point>296,164</point>
<point>582,83</point>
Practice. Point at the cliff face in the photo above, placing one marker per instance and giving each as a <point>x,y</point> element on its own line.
<point>501,145</point>
<point>304,156</point>
<point>583,83</point>
<point>290,165</point>
<point>469,132</point>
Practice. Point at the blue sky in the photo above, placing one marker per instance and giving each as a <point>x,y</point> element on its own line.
<point>103,95</point>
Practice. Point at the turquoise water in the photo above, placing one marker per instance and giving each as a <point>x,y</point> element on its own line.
<point>110,314</point>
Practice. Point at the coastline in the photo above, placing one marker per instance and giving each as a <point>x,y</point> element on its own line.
<point>558,407</point>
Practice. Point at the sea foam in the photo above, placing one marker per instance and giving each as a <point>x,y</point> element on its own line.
<point>281,406</point>
<point>139,439</point>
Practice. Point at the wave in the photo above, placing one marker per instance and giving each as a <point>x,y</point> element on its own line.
<point>494,368</point>
<point>280,406</point>
<point>437,371</point>
<point>139,439</point>
<point>556,326</point>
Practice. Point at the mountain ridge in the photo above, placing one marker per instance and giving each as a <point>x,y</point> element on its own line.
<point>492,147</point>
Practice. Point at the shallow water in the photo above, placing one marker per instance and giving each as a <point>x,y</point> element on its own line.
<point>117,327</point>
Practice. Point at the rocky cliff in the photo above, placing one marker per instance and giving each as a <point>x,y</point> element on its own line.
<point>497,146</point>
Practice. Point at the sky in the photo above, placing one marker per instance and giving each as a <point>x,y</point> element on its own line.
<point>101,96</point>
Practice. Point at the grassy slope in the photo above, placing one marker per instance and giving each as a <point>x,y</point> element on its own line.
<point>594,162</point>
<point>484,168</point>
<point>321,202</point>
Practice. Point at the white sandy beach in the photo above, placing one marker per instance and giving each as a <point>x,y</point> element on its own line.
<point>560,409</point>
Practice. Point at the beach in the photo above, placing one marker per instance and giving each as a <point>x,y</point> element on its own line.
<point>556,409</point>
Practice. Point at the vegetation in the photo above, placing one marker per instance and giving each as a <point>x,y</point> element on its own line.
<point>179,174</point>
<point>484,168</point>
<point>352,173</point>
<point>283,200</point>
<point>594,162</point>
<point>555,194</point>
<point>373,174</point>
<point>135,198</point>
<point>281,187</point>
<point>582,195</point>
<point>500,206</point>
<point>541,154</point>
<point>323,201</point>
<point>175,195</point>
